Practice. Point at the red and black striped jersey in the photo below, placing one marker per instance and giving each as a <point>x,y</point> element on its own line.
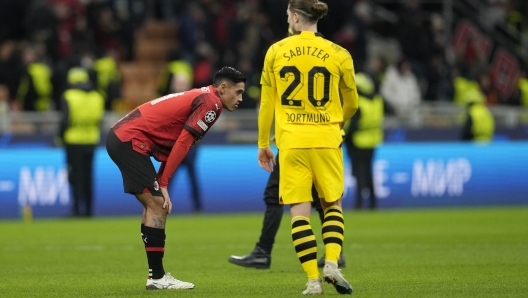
<point>155,126</point>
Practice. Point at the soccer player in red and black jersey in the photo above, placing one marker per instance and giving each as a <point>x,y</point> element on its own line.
<point>166,128</point>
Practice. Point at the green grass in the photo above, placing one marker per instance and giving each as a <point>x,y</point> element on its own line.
<point>477,252</point>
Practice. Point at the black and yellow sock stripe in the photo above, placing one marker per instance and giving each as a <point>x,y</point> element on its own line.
<point>333,232</point>
<point>305,245</point>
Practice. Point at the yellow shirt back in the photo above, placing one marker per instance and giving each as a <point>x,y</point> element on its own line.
<point>306,71</point>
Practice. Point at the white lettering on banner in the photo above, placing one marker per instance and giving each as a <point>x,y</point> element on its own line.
<point>7,185</point>
<point>43,188</point>
<point>438,177</point>
<point>379,170</point>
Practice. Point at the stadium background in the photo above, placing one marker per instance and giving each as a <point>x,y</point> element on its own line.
<point>422,162</point>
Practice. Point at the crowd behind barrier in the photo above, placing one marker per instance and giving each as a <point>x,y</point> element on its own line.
<point>415,49</point>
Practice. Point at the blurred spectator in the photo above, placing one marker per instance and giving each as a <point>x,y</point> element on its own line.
<point>272,9</point>
<point>132,15</point>
<point>10,67</point>
<point>195,29</point>
<point>41,24</point>
<point>12,15</point>
<point>170,9</point>
<point>82,111</point>
<point>107,29</point>
<point>479,125</point>
<point>53,23</point>
<point>35,88</point>
<point>438,74</point>
<point>517,21</point>
<point>205,63</point>
<point>71,17</point>
<point>466,90</point>
<point>107,77</point>
<point>495,13</point>
<point>364,132</point>
<point>375,69</point>
<point>400,88</point>
<point>339,13</point>
<point>251,97</point>
<point>486,87</point>
<point>439,79</point>
<point>520,91</point>
<point>413,36</point>
<point>4,109</point>
<point>353,35</point>
<point>176,66</point>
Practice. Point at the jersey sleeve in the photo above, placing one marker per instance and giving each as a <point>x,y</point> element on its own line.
<point>204,113</point>
<point>348,77</point>
<point>267,78</point>
<point>347,86</point>
<point>267,100</point>
<point>176,156</point>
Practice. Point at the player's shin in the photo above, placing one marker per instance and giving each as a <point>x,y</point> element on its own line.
<point>305,245</point>
<point>333,232</point>
<point>154,240</point>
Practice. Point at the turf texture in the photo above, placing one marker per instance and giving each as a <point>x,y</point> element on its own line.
<point>465,252</point>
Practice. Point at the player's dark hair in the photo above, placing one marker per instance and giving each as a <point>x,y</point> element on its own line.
<point>228,74</point>
<point>312,10</point>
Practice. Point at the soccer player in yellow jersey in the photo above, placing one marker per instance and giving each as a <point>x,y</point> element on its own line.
<point>302,80</point>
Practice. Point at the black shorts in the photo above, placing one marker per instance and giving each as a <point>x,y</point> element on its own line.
<point>137,169</point>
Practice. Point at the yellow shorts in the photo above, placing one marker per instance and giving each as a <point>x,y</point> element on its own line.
<point>299,168</point>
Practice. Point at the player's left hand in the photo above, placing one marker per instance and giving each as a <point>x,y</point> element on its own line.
<point>266,158</point>
<point>166,199</point>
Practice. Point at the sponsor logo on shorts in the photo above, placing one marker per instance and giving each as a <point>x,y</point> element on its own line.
<point>202,125</point>
<point>210,116</point>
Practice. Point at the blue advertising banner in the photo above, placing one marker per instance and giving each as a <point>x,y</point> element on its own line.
<point>405,175</point>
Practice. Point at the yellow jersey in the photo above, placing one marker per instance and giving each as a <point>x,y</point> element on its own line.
<point>308,85</point>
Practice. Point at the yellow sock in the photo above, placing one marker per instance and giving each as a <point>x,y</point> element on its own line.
<point>333,232</point>
<point>305,245</point>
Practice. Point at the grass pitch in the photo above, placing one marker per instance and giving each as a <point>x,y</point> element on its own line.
<point>477,252</point>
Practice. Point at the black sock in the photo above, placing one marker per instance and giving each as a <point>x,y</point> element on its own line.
<point>154,240</point>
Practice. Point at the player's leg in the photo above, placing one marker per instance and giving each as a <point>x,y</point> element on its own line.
<point>370,179</point>
<point>295,189</point>
<point>260,257</point>
<point>329,179</point>
<point>139,178</point>
<point>153,232</point>
<point>189,162</point>
<point>316,204</point>
<point>355,156</point>
<point>72,160</point>
<point>274,211</point>
<point>87,179</point>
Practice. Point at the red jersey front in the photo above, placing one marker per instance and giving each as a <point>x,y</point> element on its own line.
<point>154,127</point>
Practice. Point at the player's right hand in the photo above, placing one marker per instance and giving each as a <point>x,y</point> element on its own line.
<point>266,158</point>
<point>166,199</point>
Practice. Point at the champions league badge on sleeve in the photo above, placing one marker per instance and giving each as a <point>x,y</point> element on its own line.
<point>210,116</point>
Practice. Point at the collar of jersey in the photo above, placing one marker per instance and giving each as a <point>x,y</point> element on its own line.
<point>308,32</point>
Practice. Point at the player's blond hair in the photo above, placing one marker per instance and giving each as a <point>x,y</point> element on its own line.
<point>312,10</point>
